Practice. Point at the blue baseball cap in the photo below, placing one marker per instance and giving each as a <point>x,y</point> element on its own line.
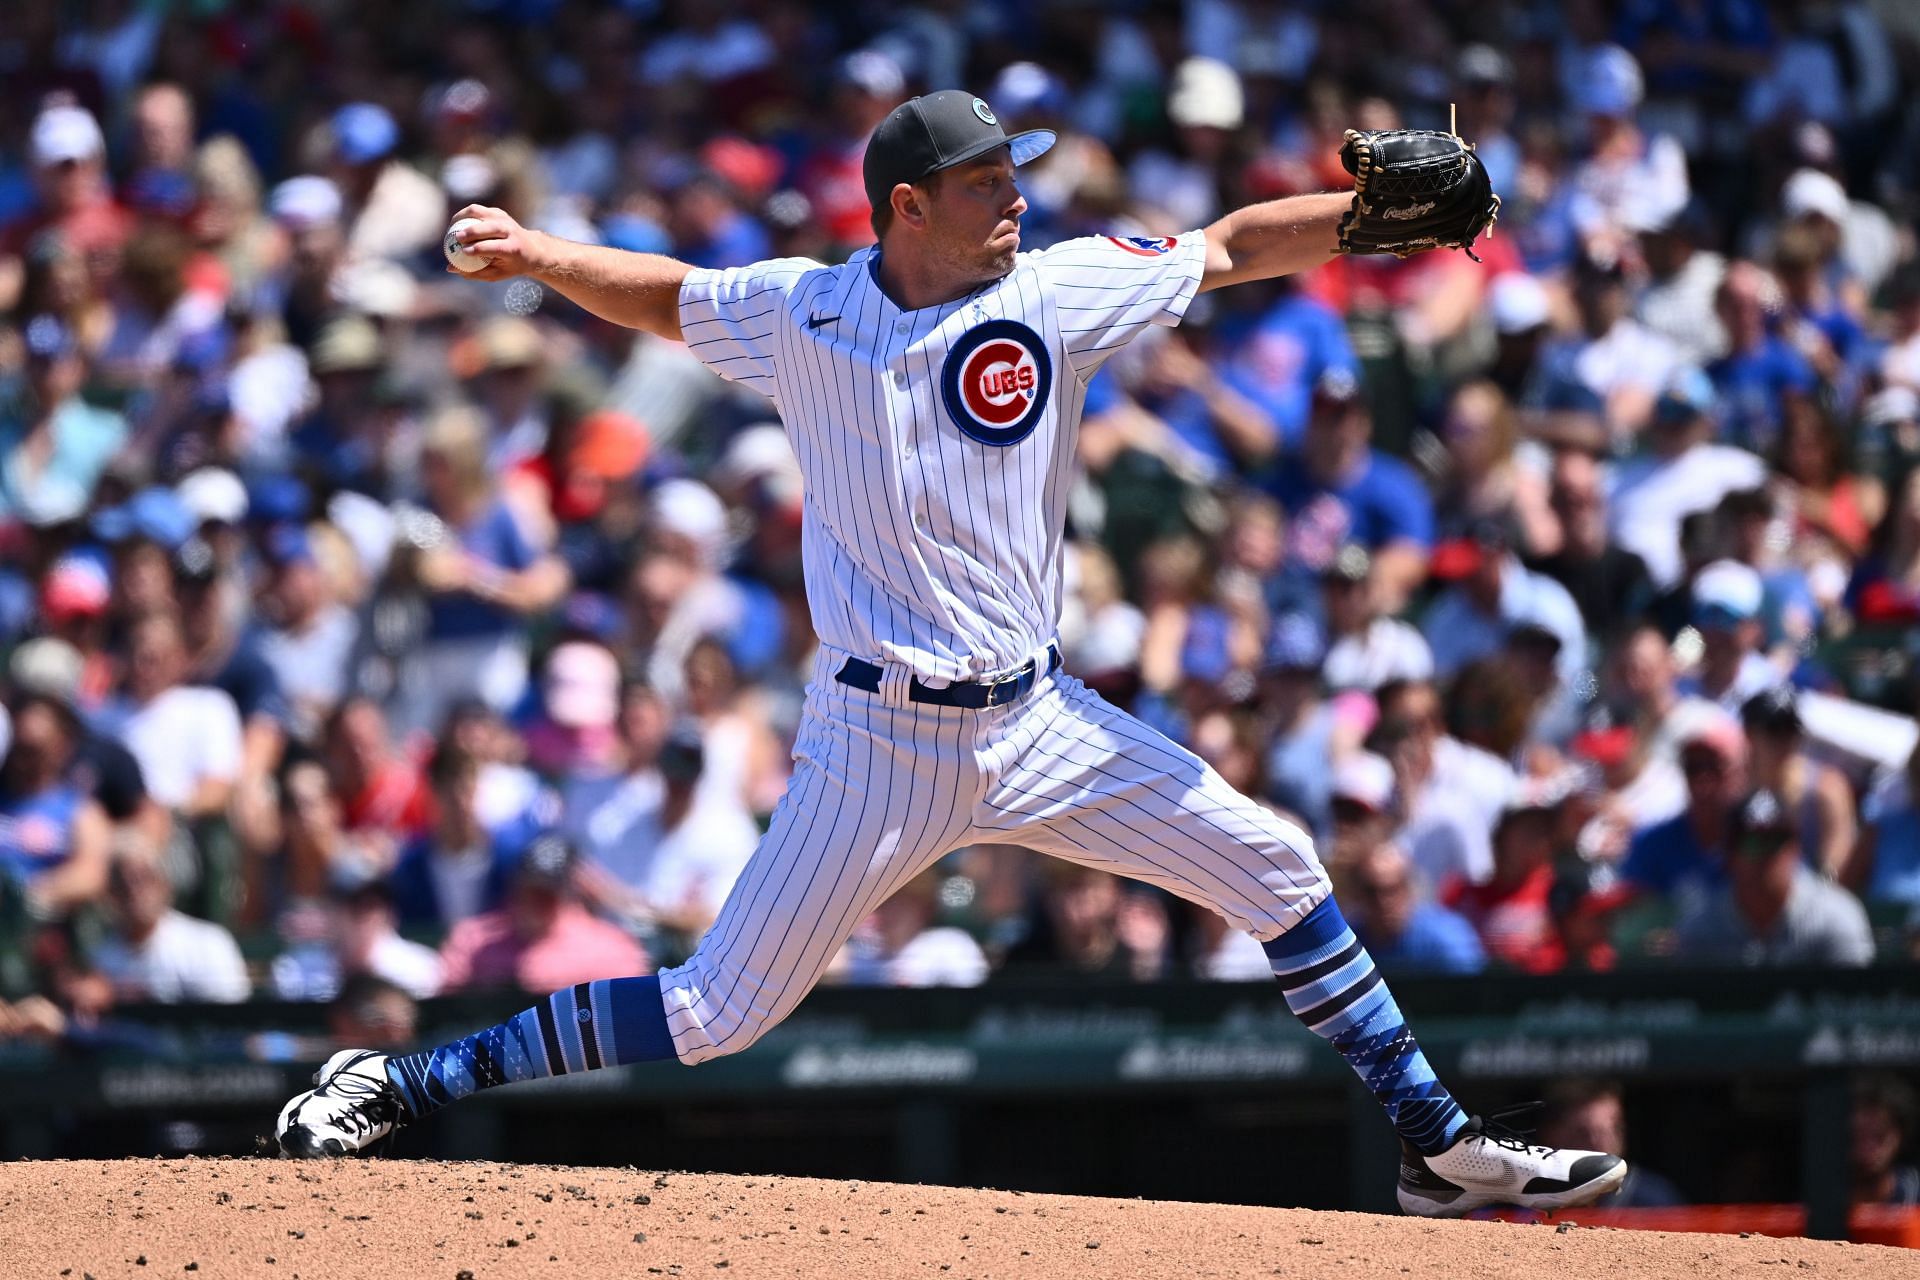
<point>1296,644</point>
<point>48,338</point>
<point>287,544</point>
<point>277,499</point>
<point>154,514</point>
<point>635,234</point>
<point>1203,655</point>
<point>364,132</point>
<point>1689,393</point>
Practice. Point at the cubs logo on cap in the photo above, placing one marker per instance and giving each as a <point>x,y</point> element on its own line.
<point>1146,246</point>
<point>985,112</point>
<point>996,381</point>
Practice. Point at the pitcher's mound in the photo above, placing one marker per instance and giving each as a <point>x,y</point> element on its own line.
<point>417,1220</point>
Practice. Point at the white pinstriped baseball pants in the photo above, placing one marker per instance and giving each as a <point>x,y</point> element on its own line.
<point>880,792</point>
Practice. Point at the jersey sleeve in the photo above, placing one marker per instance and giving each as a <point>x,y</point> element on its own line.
<point>730,318</point>
<point>1107,289</point>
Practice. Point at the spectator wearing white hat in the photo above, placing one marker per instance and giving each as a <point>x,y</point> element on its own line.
<point>68,155</point>
<point>1727,597</point>
<point>309,212</point>
<point>1859,240</point>
<point>1360,797</point>
<point>1206,106</point>
<point>677,591</point>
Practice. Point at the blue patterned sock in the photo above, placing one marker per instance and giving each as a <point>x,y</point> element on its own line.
<point>609,1023</point>
<point>1332,986</point>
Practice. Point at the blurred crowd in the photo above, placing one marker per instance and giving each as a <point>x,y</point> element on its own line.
<point>366,624</point>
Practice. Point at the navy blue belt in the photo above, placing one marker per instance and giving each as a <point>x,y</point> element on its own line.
<point>975,695</point>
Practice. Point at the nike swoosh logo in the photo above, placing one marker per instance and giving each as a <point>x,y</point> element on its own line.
<point>814,322</point>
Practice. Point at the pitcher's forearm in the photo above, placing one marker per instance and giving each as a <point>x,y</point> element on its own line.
<point>637,290</point>
<point>1275,238</point>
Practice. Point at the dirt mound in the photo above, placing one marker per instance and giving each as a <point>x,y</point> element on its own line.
<point>416,1220</point>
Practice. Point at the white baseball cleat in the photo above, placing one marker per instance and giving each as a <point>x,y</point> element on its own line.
<point>351,1106</point>
<point>1491,1163</point>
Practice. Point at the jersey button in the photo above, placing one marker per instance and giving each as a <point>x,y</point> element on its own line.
<point>902,327</point>
<point>900,378</point>
<point>906,451</point>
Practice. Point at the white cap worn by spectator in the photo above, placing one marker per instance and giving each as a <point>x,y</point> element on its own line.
<point>47,666</point>
<point>305,201</point>
<point>874,73</point>
<point>1206,94</point>
<point>376,287</point>
<point>66,133</point>
<point>1811,191</point>
<point>1518,303</point>
<point>1729,589</point>
<point>761,455</point>
<point>213,495</point>
<point>1366,778</point>
<point>695,512</point>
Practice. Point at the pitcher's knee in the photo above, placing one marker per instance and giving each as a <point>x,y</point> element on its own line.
<point>714,1010</point>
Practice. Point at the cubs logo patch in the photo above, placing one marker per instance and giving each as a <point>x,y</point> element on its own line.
<point>1146,246</point>
<point>996,381</point>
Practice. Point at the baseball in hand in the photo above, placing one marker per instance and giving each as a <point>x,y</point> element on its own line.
<point>458,254</point>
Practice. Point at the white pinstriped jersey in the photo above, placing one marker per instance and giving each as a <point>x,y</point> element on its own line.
<point>937,445</point>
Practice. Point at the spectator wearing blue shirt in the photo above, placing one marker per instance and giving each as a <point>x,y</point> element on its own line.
<point>1277,356</point>
<point>483,577</point>
<point>1885,868</point>
<point>1337,489</point>
<point>458,869</point>
<point>1494,594</point>
<point>1401,930</point>
<point>1299,722</point>
<point>1760,368</point>
<point>1684,858</point>
<point>53,444</point>
<point>1215,421</point>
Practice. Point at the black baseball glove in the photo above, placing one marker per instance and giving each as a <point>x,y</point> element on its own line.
<point>1414,189</point>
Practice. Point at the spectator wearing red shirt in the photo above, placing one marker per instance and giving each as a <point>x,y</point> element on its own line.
<point>541,939</point>
<point>1510,909</point>
<point>71,189</point>
<point>870,85</point>
<point>380,788</point>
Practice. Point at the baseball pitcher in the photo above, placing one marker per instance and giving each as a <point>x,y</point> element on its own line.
<point>932,389</point>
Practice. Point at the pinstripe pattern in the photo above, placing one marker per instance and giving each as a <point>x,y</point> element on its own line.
<point>880,793</point>
<point>921,544</point>
<point>935,506</point>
